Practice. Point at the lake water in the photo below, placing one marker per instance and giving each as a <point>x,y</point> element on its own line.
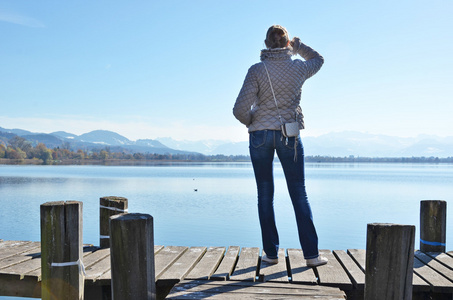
<point>345,197</point>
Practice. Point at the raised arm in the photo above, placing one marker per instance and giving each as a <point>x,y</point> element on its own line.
<point>314,60</point>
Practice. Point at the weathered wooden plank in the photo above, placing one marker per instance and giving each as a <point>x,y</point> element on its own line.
<point>359,256</point>
<point>251,290</point>
<point>13,282</point>
<point>30,266</point>
<point>17,251</point>
<point>29,270</point>
<point>436,265</point>
<point>299,271</point>
<point>24,267</point>
<point>12,285</point>
<point>247,264</point>
<point>157,249</point>
<point>4,245</point>
<point>105,278</point>
<point>29,263</point>
<point>438,282</point>
<point>355,273</point>
<point>419,285</point>
<point>36,271</point>
<point>277,272</point>
<point>332,274</point>
<point>208,264</point>
<point>226,267</point>
<point>166,257</point>
<point>16,259</point>
<point>443,258</point>
<point>95,270</point>
<point>94,257</point>
<point>184,264</point>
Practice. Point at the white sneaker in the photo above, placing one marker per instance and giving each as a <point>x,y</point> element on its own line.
<point>268,260</point>
<point>315,262</point>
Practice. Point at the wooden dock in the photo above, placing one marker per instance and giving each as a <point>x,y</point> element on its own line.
<point>199,272</point>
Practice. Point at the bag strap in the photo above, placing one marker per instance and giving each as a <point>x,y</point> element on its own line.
<point>278,111</point>
<point>273,94</point>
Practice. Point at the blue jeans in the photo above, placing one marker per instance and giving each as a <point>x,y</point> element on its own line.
<point>263,145</point>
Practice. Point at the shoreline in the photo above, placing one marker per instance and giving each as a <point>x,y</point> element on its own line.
<point>166,162</point>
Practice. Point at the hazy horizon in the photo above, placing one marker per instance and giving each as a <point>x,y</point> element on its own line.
<point>421,135</point>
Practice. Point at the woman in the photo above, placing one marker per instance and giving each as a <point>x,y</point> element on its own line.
<point>270,97</point>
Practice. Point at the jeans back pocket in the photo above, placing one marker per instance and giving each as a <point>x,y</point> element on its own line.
<point>257,138</point>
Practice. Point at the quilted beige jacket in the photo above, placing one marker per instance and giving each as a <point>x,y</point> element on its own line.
<point>255,105</point>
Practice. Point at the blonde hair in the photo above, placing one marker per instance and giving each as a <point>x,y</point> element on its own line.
<point>277,37</point>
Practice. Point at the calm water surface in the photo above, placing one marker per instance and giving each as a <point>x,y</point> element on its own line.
<point>222,212</point>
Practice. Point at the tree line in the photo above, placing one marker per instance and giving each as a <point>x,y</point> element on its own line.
<point>18,149</point>
<point>355,159</point>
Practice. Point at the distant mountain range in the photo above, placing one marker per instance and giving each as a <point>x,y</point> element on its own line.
<point>341,144</point>
<point>337,144</point>
<point>94,140</point>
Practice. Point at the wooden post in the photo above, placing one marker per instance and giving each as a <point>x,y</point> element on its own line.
<point>389,261</point>
<point>433,225</point>
<point>109,206</point>
<point>62,271</point>
<point>132,257</point>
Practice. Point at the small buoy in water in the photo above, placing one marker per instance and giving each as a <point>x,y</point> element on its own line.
<point>195,190</point>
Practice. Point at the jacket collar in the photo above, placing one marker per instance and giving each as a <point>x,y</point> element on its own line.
<point>276,54</point>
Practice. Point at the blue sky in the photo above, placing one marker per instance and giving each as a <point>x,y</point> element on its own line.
<point>149,69</point>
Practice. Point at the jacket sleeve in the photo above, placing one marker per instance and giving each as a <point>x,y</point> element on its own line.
<point>247,99</point>
<point>313,60</point>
